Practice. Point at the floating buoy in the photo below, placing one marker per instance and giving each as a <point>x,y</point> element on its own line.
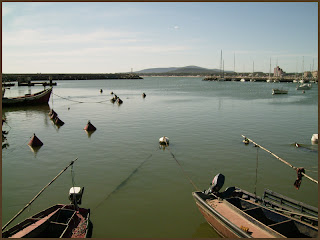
<point>245,141</point>
<point>35,141</point>
<point>52,112</point>
<point>144,95</point>
<point>164,140</point>
<point>314,138</point>
<point>89,127</point>
<point>119,101</point>
<point>54,115</point>
<point>58,122</point>
<point>101,91</point>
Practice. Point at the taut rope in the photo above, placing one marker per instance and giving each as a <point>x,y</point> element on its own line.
<point>183,170</point>
<point>282,160</point>
<point>38,194</point>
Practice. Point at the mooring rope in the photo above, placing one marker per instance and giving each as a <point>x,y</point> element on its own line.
<point>255,185</point>
<point>70,164</point>
<point>282,160</point>
<point>190,180</point>
<point>76,100</point>
<point>123,182</point>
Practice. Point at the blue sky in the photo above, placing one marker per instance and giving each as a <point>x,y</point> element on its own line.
<point>108,37</point>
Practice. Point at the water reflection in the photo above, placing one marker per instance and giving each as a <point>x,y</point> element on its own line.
<point>34,150</point>
<point>204,230</point>
<point>30,111</point>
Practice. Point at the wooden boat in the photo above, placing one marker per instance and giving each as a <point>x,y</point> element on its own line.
<point>236,213</point>
<point>58,221</point>
<point>28,99</point>
<point>279,91</point>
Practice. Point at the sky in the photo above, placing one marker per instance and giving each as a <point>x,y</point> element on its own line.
<point>111,37</point>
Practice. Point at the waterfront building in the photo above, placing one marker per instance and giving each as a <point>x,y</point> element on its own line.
<point>278,72</point>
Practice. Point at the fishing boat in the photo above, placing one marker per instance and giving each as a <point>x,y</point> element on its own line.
<point>304,86</point>
<point>279,91</point>
<point>236,213</point>
<point>57,221</point>
<point>28,99</point>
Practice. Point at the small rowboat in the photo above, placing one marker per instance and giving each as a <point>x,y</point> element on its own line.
<point>58,221</point>
<point>304,86</point>
<point>236,213</point>
<point>279,91</point>
<point>28,99</point>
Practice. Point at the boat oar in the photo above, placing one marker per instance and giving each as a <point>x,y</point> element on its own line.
<point>38,194</point>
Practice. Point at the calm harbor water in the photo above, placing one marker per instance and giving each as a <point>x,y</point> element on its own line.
<point>135,189</point>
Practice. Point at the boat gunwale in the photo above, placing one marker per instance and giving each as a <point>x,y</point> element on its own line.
<point>231,226</point>
<point>42,215</point>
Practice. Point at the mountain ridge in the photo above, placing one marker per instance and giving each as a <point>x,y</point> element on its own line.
<point>186,69</point>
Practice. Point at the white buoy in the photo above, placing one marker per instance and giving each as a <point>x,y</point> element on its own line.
<point>314,138</point>
<point>164,140</point>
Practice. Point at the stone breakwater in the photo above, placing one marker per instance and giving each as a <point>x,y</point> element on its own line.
<point>66,76</point>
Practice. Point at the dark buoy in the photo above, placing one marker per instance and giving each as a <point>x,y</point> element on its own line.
<point>89,127</point>
<point>52,112</point>
<point>35,141</point>
<point>54,115</point>
<point>101,91</point>
<point>144,95</point>
<point>119,101</point>
<point>58,122</point>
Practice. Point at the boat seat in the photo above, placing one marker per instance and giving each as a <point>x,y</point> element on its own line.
<point>250,209</point>
<point>289,229</point>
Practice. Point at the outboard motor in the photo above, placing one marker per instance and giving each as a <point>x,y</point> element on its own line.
<point>75,195</point>
<point>216,184</point>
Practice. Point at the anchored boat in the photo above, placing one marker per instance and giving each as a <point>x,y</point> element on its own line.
<point>279,91</point>
<point>304,86</point>
<point>28,99</point>
<point>57,221</point>
<point>236,213</point>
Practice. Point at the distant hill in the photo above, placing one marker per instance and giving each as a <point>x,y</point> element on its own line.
<point>173,70</point>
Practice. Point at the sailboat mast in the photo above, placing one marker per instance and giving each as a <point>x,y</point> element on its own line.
<point>252,69</point>
<point>234,62</point>
<point>302,67</point>
<point>220,62</point>
<point>270,69</point>
<point>223,69</point>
